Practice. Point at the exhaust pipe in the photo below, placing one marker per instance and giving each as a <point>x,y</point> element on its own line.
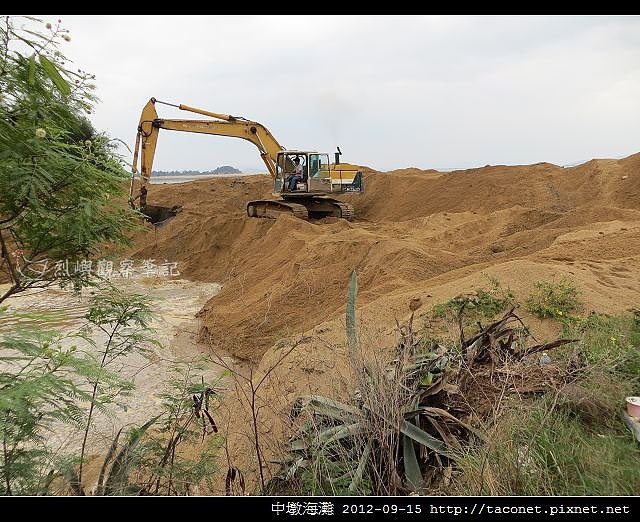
<point>337,156</point>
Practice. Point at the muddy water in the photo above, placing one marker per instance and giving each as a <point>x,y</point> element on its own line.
<point>174,303</point>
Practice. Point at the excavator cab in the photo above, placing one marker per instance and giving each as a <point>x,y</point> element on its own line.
<point>318,177</point>
<point>290,165</point>
<point>305,180</point>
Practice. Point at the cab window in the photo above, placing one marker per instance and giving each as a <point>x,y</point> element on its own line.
<point>319,165</point>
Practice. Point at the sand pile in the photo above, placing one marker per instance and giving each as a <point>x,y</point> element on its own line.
<point>416,232</point>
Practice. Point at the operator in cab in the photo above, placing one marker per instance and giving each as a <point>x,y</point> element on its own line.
<point>297,174</point>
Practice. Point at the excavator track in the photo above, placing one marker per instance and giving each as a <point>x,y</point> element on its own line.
<point>319,208</point>
<point>346,210</point>
<point>271,209</point>
<point>303,208</point>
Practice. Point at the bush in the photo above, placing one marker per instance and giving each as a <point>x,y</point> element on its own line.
<point>611,343</point>
<point>572,443</point>
<point>481,306</point>
<point>484,303</point>
<point>384,438</point>
<point>539,449</point>
<point>553,299</point>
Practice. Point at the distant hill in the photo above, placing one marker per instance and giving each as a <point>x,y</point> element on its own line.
<point>224,169</point>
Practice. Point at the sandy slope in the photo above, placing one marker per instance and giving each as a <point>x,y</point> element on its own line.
<point>417,233</point>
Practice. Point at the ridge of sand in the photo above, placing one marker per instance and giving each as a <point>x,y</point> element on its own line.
<point>414,229</point>
<point>425,234</point>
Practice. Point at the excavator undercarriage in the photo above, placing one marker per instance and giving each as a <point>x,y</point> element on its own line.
<point>300,207</point>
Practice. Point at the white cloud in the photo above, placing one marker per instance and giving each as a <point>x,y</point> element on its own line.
<point>391,91</point>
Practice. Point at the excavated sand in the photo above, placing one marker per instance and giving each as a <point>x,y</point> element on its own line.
<point>417,234</point>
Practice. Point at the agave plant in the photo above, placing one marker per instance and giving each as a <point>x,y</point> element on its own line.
<point>394,435</point>
<point>116,467</point>
<point>402,428</point>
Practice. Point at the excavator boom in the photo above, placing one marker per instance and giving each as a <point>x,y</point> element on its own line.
<point>150,125</point>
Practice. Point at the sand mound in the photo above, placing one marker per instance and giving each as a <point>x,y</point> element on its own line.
<point>423,233</point>
<point>417,234</point>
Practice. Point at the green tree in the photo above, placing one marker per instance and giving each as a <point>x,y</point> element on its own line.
<point>37,390</point>
<point>49,378</point>
<point>124,320</point>
<point>61,182</point>
<point>61,198</point>
<point>186,419</point>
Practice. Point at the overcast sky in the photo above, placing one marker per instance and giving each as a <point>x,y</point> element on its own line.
<point>391,91</point>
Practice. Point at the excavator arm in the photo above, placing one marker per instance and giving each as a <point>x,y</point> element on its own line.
<point>224,125</point>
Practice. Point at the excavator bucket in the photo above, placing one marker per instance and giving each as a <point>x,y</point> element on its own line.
<point>146,140</point>
<point>158,216</point>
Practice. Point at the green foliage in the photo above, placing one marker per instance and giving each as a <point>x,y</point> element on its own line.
<point>555,299</point>
<point>391,430</point>
<point>61,182</point>
<point>351,438</point>
<point>352,336</point>
<point>47,378</point>
<point>609,342</point>
<point>323,475</point>
<point>124,319</point>
<point>186,419</point>
<point>38,390</point>
<point>483,305</point>
<point>539,449</point>
<point>126,460</point>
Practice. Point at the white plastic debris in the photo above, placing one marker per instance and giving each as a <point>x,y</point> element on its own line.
<point>545,359</point>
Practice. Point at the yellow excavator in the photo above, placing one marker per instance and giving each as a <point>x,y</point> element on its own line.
<point>303,180</point>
